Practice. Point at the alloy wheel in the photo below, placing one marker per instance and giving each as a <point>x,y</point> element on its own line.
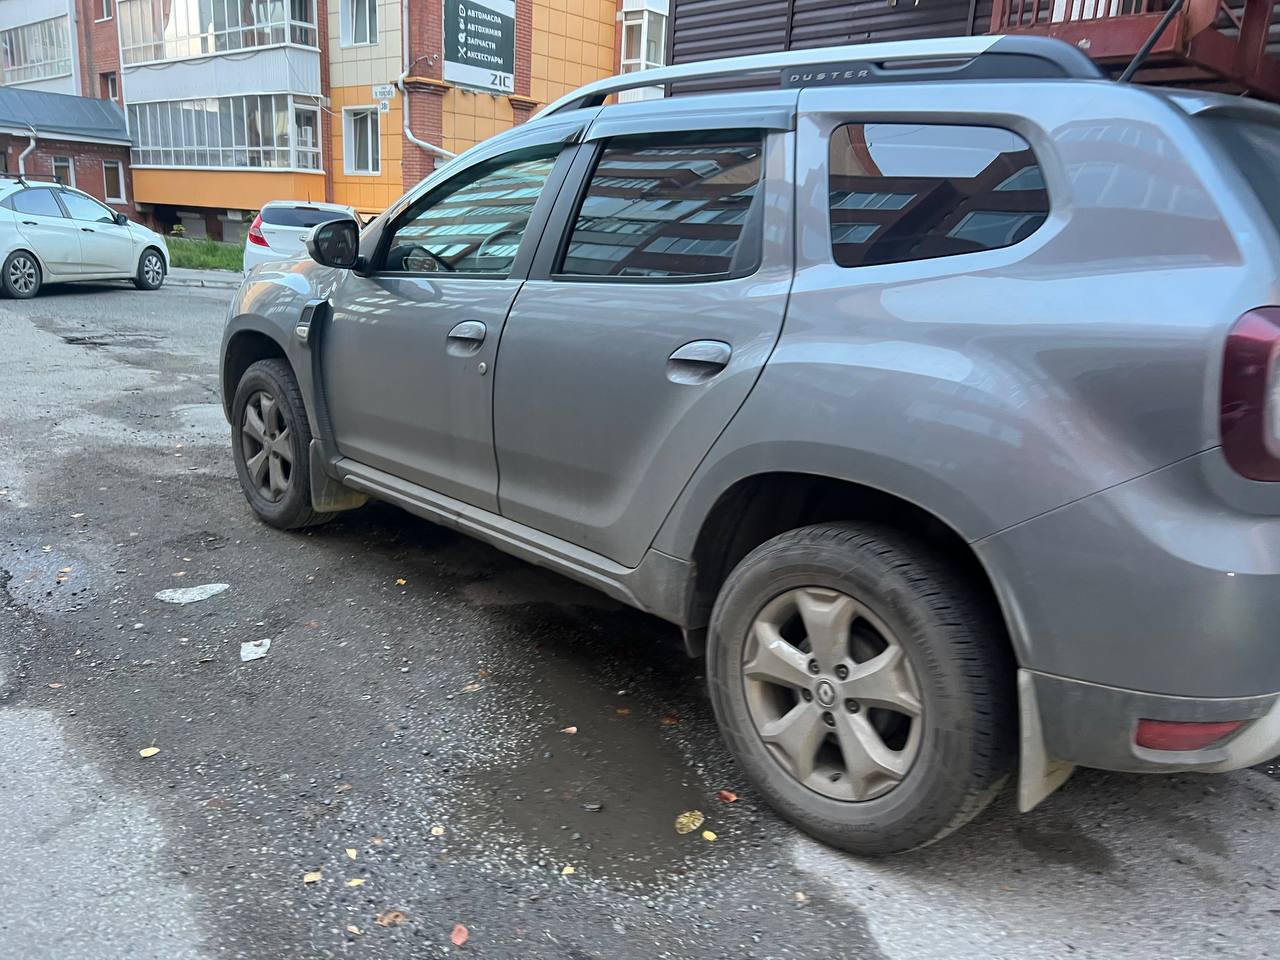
<point>152,269</point>
<point>22,274</point>
<point>267,446</point>
<point>832,694</point>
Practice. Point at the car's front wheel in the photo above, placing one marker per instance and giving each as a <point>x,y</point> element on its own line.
<point>21,275</point>
<point>863,686</point>
<point>271,439</point>
<point>150,273</point>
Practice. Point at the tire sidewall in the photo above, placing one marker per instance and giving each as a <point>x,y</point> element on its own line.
<point>269,377</point>
<point>141,277</point>
<point>9,290</point>
<point>923,805</point>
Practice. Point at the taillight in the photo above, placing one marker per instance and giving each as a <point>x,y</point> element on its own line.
<point>255,232</point>
<point>1249,415</point>
<point>1175,735</point>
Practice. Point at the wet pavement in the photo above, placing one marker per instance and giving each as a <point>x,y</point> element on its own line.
<point>411,711</point>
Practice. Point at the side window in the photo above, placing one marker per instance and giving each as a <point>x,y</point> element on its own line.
<point>915,191</point>
<point>38,202</point>
<point>665,206</point>
<point>84,208</point>
<point>474,224</point>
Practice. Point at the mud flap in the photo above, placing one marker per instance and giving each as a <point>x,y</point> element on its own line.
<point>327,494</point>
<point>1038,775</point>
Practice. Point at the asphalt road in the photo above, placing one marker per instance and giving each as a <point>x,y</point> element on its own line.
<point>404,731</point>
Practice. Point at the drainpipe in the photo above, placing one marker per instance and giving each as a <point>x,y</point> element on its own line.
<point>404,90</point>
<point>22,157</point>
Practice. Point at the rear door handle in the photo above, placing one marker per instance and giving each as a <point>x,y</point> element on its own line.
<point>466,339</point>
<point>86,229</point>
<point>699,361</point>
<point>30,223</point>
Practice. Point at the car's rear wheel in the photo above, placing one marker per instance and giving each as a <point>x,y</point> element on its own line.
<point>21,276</point>
<point>271,440</point>
<point>863,686</point>
<point>150,273</point>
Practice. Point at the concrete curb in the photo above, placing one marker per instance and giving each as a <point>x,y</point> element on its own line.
<point>211,283</point>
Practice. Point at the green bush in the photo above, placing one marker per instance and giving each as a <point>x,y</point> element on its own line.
<point>206,254</point>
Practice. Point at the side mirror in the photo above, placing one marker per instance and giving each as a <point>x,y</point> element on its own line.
<point>121,219</point>
<point>335,243</point>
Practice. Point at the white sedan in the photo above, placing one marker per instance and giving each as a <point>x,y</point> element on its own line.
<point>278,231</point>
<point>51,233</point>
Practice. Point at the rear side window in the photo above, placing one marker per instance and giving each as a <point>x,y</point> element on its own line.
<point>670,206</point>
<point>916,191</point>
<point>38,202</point>
<point>298,216</point>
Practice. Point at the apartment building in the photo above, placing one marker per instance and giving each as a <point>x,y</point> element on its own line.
<point>231,103</point>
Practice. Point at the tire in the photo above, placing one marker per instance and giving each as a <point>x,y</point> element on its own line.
<point>951,664</point>
<point>21,276</point>
<point>150,273</point>
<point>278,487</point>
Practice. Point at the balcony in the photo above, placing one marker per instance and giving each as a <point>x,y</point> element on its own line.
<point>1210,44</point>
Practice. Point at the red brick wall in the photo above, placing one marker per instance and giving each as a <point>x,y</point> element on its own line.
<point>99,49</point>
<point>86,158</point>
<point>425,103</point>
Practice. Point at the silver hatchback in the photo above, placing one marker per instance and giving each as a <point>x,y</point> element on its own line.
<point>933,393</point>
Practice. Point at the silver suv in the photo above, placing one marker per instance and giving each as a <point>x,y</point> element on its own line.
<point>933,392</point>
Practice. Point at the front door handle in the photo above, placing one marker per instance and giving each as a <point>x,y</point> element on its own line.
<point>699,361</point>
<point>466,339</point>
<point>30,223</point>
<point>86,229</point>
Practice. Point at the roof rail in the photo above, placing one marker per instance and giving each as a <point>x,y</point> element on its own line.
<point>944,58</point>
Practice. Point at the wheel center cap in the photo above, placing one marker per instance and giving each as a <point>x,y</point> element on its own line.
<point>825,692</point>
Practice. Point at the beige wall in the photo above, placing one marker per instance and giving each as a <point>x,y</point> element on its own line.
<point>376,63</point>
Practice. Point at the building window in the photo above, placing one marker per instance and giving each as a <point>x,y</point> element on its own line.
<point>682,210</point>
<point>306,127</point>
<point>359,22</point>
<point>361,135</point>
<point>901,192</point>
<point>64,171</point>
<point>113,181</point>
<point>236,132</point>
<point>108,86</point>
<point>36,51</point>
<point>644,38</point>
<point>106,9</point>
<point>153,30</point>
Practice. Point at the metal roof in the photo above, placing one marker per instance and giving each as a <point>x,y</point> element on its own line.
<point>57,116</point>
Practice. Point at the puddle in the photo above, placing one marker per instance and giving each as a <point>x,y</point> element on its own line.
<point>643,733</point>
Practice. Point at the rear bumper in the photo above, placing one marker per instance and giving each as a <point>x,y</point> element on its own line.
<point>1094,725</point>
<point>1156,584</point>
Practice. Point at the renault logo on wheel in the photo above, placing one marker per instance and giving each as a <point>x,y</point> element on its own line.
<point>825,692</point>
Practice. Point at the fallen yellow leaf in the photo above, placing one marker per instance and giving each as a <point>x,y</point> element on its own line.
<point>472,687</point>
<point>437,831</point>
<point>352,928</point>
<point>148,752</point>
<point>689,821</point>
<point>356,882</point>
<point>390,918</point>
<point>568,870</point>
<point>378,840</point>
<point>568,729</point>
<point>623,711</point>
<point>351,853</point>
<point>708,836</point>
<point>65,570</point>
<point>312,877</point>
<point>401,581</point>
<point>55,686</point>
